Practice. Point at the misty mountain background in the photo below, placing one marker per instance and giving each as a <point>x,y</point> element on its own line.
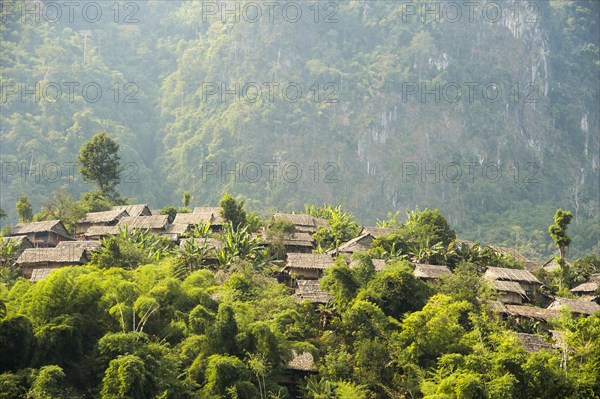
<point>360,134</point>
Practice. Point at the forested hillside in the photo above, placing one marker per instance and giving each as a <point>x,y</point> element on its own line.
<point>379,125</point>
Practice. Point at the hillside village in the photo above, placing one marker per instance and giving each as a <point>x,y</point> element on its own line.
<point>312,277</point>
<point>47,245</point>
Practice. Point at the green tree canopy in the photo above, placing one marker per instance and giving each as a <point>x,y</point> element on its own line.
<point>99,162</point>
<point>558,231</point>
<point>24,209</point>
<point>232,210</point>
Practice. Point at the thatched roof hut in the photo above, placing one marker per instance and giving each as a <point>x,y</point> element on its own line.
<point>156,223</point>
<point>551,265</point>
<point>20,241</point>
<point>297,242</point>
<point>430,272</point>
<point>55,226</point>
<point>39,258</point>
<point>40,274</point>
<point>524,277</point>
<point>309,261</point>
<point>190,219</point>
<point>379,264</point>
<point>47,233</point>
<point>89,245</point>
<point>106,217</point>
<point>309,290</point>
<point>134,210</point>
<point>211,214</point>
<point>589,288</point>
<point>304,223</point>
<point>532,312</point>
<point>376,231</point>
<point>307,266</point>
<point>98,232</point>
<point>358,244</point>
<point>301,362</point>
<point>577,306</point>
<point>518,275</point>
<point>510,291</point>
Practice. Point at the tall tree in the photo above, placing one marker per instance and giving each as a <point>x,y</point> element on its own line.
<point>24,209</point>
<point>558,231</point>
<point>233,211</point>
<point>3,214</point>
<point>99,162</point>
<point>186,199</point>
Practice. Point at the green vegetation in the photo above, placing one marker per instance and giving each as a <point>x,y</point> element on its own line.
<point>24,209</point>
<point>232,211</point>
<point>170,211</point>
<point>149,319</point>
<point>99,162</point>
<point>558,231</point>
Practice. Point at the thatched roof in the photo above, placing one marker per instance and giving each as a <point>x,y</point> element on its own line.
<point>298,239</point>
<point>55,226</point>
<point>41,273</point>
<point>101,231</point>
<point>575,305</point>
<point>309,290</point>
<point>361,243</point>
<point>508,286</point>
<point>20,241</point>
<point>320,222</point>
<point>590,286</point>
<point>531,312</point>
<point>531,265</point>
<point>303,222</point>
<point>298,219</point>
<point>67,255</point>
<point>551,265</point>
<point>309,261</point>
<point>211,213</point>
<point>177,229</point>
<point>519,275</point>
<point>134,210</point>
<point>533,342</point>
<point>89,245</point>
<point>301,362</point>
<point>378,263</point>
<point>193,218</point>
<point>430,271</point>
<point>156,222</point>
<point>377,231</point>
<point>497,306</point>
<point>103,217</point>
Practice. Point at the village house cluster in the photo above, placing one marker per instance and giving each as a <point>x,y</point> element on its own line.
<point>47,245</point>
